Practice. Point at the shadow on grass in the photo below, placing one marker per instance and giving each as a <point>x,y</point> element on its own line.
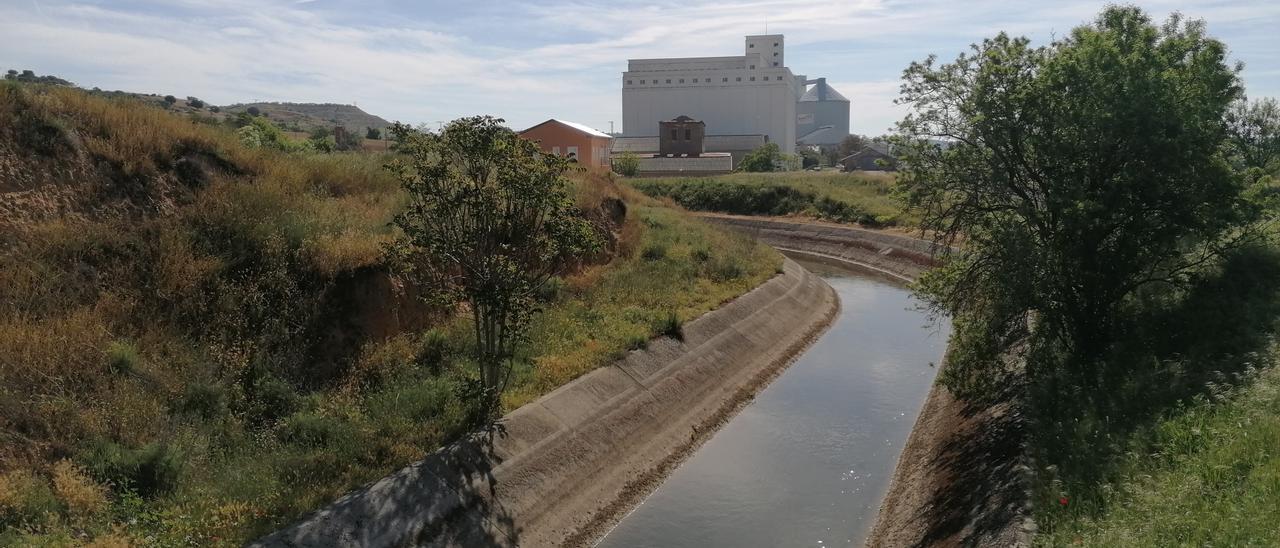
<point>1177,347</point>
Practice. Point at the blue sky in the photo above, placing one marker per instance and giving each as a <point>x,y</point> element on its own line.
<point>428,61</point>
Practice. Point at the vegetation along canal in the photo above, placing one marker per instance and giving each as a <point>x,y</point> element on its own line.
<point>808,461</point>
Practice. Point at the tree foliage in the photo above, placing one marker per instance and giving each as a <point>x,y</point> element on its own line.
<point>628,164</point>
<point>489,221</point>
<point>1255,133</point>
<point>766,157</point>
<point>1076,174</point>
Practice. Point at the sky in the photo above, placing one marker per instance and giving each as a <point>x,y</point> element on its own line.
<point>432,61</point>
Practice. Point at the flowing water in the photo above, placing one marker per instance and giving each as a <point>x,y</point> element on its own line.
<point>808,461</point>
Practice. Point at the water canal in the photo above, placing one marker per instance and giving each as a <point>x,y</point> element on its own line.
<point>809,460</point>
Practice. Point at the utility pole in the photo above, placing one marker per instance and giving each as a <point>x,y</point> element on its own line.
<point>610,127</point>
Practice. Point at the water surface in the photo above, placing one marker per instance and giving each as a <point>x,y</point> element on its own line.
<point>807,462</point>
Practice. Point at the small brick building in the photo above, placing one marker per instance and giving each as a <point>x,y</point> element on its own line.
<point>681,137</point>
<point>590,147</point>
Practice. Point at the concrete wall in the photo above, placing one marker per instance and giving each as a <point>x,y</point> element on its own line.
<point>693,166</point>
<point>574,461</point>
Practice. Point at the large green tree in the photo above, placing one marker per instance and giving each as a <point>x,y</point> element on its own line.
<point>489,221</point>
<point>1069,176</point>
<point>1255,133</point>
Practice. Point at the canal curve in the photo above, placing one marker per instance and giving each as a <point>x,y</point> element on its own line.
<point>807,462</point>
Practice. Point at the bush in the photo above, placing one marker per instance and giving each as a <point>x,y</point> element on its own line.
<point>766,158</point>
<point>670,326</point>
<point>253,111</point>
<point>169,99</point>
<point>372,133</point>
<point>194,103</point>
<point>312,430</point>
<point>272,399</point>
<point>654,252</point>
<point>26,500</point>
<point>150,470</point>
<point>628,164</point>
<point>122,358</point>
<point>203,400</point>
<point>435,350</point>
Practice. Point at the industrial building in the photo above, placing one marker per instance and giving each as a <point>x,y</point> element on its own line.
<point>587,146</point>
<point>753,94</point>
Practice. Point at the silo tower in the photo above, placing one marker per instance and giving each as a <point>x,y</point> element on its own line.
<point>822,115</point>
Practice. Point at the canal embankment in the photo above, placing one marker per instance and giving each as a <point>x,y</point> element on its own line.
<point>568,465</point>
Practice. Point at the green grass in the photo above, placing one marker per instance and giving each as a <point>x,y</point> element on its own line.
<point>1210,477</point>
<point>1180,444</point>
<point>164,374</point>
<point>864,198</point>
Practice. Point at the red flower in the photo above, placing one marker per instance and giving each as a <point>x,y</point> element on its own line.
<point>1062,501</point>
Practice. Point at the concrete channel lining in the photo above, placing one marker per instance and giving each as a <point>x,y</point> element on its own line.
<point>570,461</point>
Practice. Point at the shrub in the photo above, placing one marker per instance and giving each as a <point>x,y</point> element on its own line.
<point>122,358</point>
<point>150,470</point>
<point>169,99</point>
<point>653,252</point>
<point>272,399</point>
<point>194,103</point>
<point>204,400</point>
<point>82,496</point>
<point>435,350</point>
<point>765,158</point>
<point>309,429</point>
<point>253,111</point>
<point>25,500</point>
<point>670,326</point>
<point>628,164</point>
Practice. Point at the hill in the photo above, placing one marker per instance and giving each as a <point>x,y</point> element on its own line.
<point>201,341</point>
<point>309,116</point>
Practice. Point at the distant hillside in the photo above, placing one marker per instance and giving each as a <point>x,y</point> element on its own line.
<point>308,116</point>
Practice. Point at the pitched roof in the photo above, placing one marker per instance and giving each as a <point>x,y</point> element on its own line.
<point>580,127</point>
<point>823,92</point>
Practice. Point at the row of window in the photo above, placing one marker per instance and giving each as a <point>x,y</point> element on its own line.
<point>775,44</point>
<point>704,80</point>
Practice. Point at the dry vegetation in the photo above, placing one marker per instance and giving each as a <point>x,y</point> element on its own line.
<point>199,342</point>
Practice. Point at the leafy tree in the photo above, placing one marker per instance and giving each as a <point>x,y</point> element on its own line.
<point>1255,133</point>
<point>810,158</point>
<point>851,144</point>
<point>628,164</point>
<point>1076,174</point>
<point>194,102</point>
<point>489,221</point>
<point>11,75</point>
<point>765,158</point>
<point>253,111</point>
<point>372,133</point>
<point>170,100</point>
<point>321,133</point>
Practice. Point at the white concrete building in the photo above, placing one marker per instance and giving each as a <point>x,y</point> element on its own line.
<point>751,94</point>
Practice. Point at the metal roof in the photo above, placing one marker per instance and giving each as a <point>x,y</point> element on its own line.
<point>822,92</point>
<point>580,127</point>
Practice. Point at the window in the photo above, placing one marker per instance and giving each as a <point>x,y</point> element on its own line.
<point>751,45</point>
<point>688,134</point>
<point>572,152</point>
<point>753,78</point>
<point>628,82</point>
<point>555,150</point>
<point>642,82</point>
<point>775,44</point>
<point>779,78</point>
<point>753,67</point>
<point>674,136</point>
<point>775,54</point>
<point>739,78</point>
<point>668,80</point>
<point>725,79</point>
<point>775,63</point>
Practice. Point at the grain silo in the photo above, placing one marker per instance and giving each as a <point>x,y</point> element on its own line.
<point>822,115</point>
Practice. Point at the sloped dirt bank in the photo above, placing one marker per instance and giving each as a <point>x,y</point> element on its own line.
<point>574,461</point>
<point>960,480</point>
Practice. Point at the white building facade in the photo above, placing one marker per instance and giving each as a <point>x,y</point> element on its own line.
<point>751,94</point>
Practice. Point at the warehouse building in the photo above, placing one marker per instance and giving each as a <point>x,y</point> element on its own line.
<point>753,94</point>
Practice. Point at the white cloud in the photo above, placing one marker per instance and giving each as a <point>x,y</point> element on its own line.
<point>529,62</point>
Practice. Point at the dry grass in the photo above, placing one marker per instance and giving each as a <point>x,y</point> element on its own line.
<point>160,372</point>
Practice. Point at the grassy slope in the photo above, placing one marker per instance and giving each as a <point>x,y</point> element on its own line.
<point>1181,446</point>
<point>159,380</point>
<point>864,198</point>
<point>1212,479</point>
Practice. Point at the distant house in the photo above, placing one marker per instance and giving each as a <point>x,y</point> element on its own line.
<point>589,147</point>
<point>874,157</point>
